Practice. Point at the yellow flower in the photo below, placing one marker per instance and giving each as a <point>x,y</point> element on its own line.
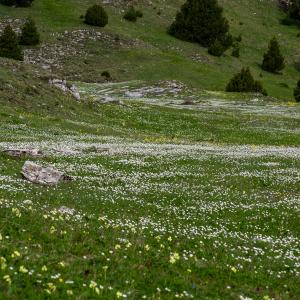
<point>60,280</point>
<point>105,268</point>
<point>7,279</point>
<point>118,247</point>
<point>174,257</point>
<point>44,268</point>
<point>16,254</point>
<point>3,264</point>
<point>266,297</point>
<point>119,294</point>
<point>62,264</point>
<point>233,269</point>
<point>0,237</point>
<point>70,292</point>
<point>51,287</point>
<point>170,239</point>
<point>52,229</point>
<point>147,247</point>
<point>93,284</point>
<point>16,211</point>
<point>22,269</point>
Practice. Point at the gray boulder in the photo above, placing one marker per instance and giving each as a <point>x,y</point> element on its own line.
<point>42,175</point>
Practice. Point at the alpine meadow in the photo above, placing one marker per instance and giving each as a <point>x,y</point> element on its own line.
<point>150,149</point>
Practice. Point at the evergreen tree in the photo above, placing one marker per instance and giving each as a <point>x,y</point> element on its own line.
<point>244,82</point>
<point>24,3</point>
<point>273,60</point>
<point>9,46</point>
<point>29,35</point>
<point>200,21</point>
<point>294,9</point>
<point>96,16</point>
<point>8,2</point>
<point>235,50</point>
<point>20,3</point>
<point>297,92</point>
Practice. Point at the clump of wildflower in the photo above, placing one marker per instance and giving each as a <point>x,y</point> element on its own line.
<point>233,269</point>
<point>3,263</point>
<point>94,286</point>
<point>15,254</point>
<point>174,257</point>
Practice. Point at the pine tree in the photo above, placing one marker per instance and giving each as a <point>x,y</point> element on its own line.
<point>244,82</point>
<point>131,15</point>
<point>273,60</point>
<point>29,35</point>
<point>23,3</point>
<point>96,16</point>
<point>216,48</point>
<point>9,46</point>
<point>297,92</point>
<point>200,21</point>
<point>20,3</point>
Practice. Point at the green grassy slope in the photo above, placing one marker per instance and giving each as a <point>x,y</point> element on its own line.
<point>158,56</point>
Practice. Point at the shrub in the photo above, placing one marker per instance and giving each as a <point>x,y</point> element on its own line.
<point>139,13</point>
<point>244,82</point>
<point>24,3</point>
<point>238,38</point>
<point>9,46</point>
<point>297,92</point>
<point>130,14</point>
<point>20,3</point>
<point>96,16</point>
<point>106,74</point>
<point>273,60</point>
<point>216,48</point>
<point>235,50</point>
<point>200,21</point>
<point>294,9</point>
<point>29,34</point>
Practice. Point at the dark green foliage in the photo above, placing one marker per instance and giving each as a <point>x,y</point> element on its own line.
<point>273,60</point>
<point>139,13</point>
<point>9,46</point>
<point>244,82</point>
<point>216,48</point>
<point>235,50</point>
<point>294,9</point>
<point>106,74</point>
<point>130,14</point>
<point>29,35</point>
<point>8,2</point>
<point>238,38</point>
<point>20,3</point>
<point>96,16</point>
<point>200,21</point>
<point>297,92</point>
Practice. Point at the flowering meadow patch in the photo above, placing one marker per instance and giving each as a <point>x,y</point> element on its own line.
<point>149,219</point>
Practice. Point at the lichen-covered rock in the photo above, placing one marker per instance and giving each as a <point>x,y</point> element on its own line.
<point>23,152</point>
<point>42,175</point>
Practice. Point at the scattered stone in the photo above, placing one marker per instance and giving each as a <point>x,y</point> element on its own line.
<point>41,175</point>
<point>188,102</point>
<point>65,87</point>
<point>23,152</point>
<point>134,95</point>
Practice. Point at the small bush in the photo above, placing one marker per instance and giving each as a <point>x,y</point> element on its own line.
<point>238,38</point>
<point>130,15</point>
<point>96,16</point>
<point>273,60</point>
<point>139,13</point>
<point>9,44</point>
<point>106,74</point>
<point>216,48</point>
<point>29,35</point>
<point>297,92</point>
<point>244,82</point>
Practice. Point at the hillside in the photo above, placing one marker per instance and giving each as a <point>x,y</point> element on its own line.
<point>169,187</point>
<point>144,51</point>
